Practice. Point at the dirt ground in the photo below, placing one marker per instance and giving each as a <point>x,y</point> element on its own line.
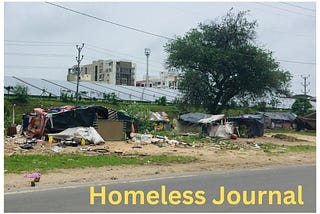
<point>243,153</point>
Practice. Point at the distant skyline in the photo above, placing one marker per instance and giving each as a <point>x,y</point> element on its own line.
<point>40,38</point>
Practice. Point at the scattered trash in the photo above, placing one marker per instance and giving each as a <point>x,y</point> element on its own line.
<point>101,150</point>
<point>86,149</point>
<point>36,177</point>
<point>173,142</point>
<point>136,147</point>
<point>57,149</point>
<point>32,141</point>
<point>32,175</point>
<point>87,133</point>
<point>255,146</point>
<point>26,146</point>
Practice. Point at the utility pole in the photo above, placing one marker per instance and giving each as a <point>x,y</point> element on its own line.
<point>78,70</point>
<point>305,84</point>
<point>147,52</point>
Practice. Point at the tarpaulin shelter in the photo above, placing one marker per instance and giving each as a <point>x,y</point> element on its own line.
<point>307,122</point>
<point>128,120</point>
<point>250,125</point>
<point>273,120</point>
<point>57,119</point>
<point>198,122</point>
<point>161,120</point>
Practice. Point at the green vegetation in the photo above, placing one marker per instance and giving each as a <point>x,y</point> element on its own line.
<point>43,163</point>
<point>272,148</point>
<point>290,131</point>
<point>221,61</point>
<point>301,148</point>
<point>46,102</point>
<point>301,106</point>
<point>162,101</point>
<point>267,147</point>
<point>21,93</point>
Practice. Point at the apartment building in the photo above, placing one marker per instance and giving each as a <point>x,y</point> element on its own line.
<point>165,80</point>
<point>115,72</point>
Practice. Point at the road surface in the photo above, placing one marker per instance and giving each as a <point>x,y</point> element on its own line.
<point>165,192</point>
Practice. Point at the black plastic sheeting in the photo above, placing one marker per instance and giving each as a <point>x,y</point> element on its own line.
<point>76,117</point>
<point>307,122</point>
<point>254,124</point>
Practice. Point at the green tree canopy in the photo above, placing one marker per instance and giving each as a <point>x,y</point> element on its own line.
<point>219,61</point>
<point>301,106</point>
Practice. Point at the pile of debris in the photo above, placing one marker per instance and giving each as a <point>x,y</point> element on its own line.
<point>156,140</point>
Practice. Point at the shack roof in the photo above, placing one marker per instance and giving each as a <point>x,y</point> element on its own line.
<point>197,118</point>
<point>281,116</point>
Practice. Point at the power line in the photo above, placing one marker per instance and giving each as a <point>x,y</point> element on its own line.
<point>35,54</point>
<point>297,62</point>
<point>293,5</point>
<point>279,8</point>
<point>37,45</point>
<point>110,22</point>
<point>24,41</point>
<point>98,49</point>
<point>35,67</point>
<point>105,51</point>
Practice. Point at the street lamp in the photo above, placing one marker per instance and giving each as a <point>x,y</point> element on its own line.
<point>147,52</point>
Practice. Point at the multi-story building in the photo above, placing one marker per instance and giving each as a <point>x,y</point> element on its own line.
<point>115,72</point>
<point>167,80</point>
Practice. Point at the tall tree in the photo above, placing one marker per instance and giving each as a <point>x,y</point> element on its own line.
<point>220,61</point>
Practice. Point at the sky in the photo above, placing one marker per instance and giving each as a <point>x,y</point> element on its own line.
<point>40,39</point>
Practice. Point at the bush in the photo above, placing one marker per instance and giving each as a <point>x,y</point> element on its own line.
<point>141,113</point>
<point>161,101</point>
<point>301,106</point>
<point>21,93</point>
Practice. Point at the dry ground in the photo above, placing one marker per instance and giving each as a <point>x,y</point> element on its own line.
<point>210,157</point>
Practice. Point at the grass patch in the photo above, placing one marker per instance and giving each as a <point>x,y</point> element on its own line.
<point>291,131</point>
<point>274,148</point>
<point>285,137</point>
<point>267,147</point>
<point>42,163</point>
<point>301,148</point>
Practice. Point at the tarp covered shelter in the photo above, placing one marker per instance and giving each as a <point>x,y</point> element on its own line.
<point>273,120</point>
<point>57,119</point>
<point>197,122</point>
<point>250,125</point>
<point>307,122</point>
<point>128,120</point>
<point>161,120</point>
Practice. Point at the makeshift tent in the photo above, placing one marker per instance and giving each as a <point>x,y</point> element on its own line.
<point>58,119</point>
<point>128,120</point>
<point>199,123</point>
<point>161,120</point>
<point>273,120</point>
<point>250,125</point>
<point>307,122</point>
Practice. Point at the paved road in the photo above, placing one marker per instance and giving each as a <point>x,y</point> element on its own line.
<point>76,198</point>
